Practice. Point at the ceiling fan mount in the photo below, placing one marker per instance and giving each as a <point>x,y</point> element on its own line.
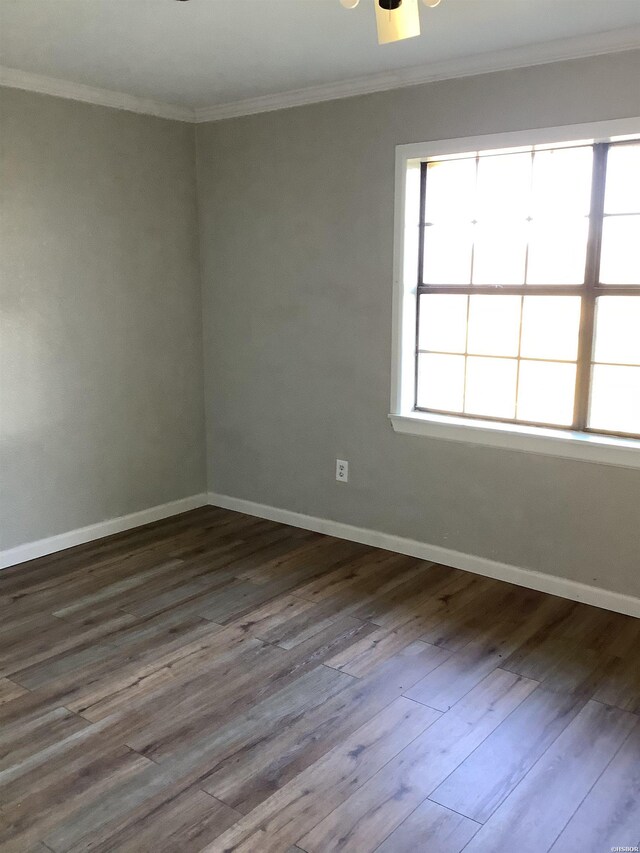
<point>396,19</point>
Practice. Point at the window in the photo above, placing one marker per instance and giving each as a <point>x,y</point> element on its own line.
<point>526,282</point>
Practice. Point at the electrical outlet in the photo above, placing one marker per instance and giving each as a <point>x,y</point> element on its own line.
<point>342,471</point>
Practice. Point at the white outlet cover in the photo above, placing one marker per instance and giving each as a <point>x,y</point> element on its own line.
<point>342,471</point>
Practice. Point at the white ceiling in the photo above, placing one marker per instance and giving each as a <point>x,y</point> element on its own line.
<point>203,53</point>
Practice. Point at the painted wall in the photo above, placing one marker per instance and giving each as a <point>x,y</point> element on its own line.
<point>101,344</point>
<point>296,247</point>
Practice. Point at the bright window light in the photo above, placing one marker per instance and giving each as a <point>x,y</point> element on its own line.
<point>529,286</point>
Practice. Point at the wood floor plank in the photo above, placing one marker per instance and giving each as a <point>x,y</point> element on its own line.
<point>114,590</point>
<point>148,796</point>
<point>204,703</point>
<point>211,749</point>
<point>174,821</point>
<point>215,681</point>
<point>161,600</point>
<point>58,796</point>
<point>248,777</point>
<point>609,816</point>
<point>430,828</point>
<point>144,675</point>
<point>122,797</point>
<point>87,580</point>
<point>538,654</point>
<point>266,621</point>
<point>144,633</point>
<point>382,803</point>
<point>478,786</point>
<point>536,812</point>
<point>619,684</point>
<point>230,556</point>
<point>585,661</point>
<point>308,622</point>
<point>309,561</point>
<point>462,670</point>
<point>408,599</point>
<point>238,598</point>
<point>25,576</point>
<point>58,666</point>
<point>355,593</point>
<point>73,753</point>
<point>19,742</point>
<point>44,641</point>
<point>9,690</point>
<point>371,569</point>
<point>363,657</point>
<point>471,616</point>
<point>283,818</point>
<point>80,682</point>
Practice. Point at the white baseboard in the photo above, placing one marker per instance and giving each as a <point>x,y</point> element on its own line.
<point>573,590</point>
<point>551,584</point>
<point>31,550</point>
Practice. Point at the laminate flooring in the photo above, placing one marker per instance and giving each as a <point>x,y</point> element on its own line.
<point>217,682</point>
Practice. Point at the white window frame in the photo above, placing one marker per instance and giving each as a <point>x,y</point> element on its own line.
<point>603,449</point>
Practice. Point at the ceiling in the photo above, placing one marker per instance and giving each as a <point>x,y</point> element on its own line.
<point>204,53</point>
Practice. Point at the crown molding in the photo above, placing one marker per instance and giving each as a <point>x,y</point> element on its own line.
<point>16,79</point>
<point>578,47</point>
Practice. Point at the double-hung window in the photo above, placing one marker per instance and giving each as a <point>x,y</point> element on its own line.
<point>523,264</point>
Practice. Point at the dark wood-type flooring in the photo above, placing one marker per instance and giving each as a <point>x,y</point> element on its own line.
<point>216,682</point>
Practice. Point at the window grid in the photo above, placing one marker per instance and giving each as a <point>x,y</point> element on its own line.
<point>589,291</point>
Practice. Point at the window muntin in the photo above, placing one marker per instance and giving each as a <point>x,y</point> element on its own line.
<point>522,255</point>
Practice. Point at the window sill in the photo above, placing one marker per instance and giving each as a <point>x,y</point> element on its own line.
<point>604,450</point>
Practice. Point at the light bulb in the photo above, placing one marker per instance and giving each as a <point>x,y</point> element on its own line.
<point>431,3</point>
<point>349,4</point>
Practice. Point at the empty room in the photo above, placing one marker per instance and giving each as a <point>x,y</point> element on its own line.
<point>320,426</point>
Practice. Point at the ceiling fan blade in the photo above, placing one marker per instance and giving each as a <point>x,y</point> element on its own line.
<point>398,24</point>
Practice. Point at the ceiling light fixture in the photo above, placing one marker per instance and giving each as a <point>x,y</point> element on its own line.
<point>396,19</point>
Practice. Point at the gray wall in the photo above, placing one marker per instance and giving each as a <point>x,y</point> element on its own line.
<point>296,246</point>
<point>101,359</point>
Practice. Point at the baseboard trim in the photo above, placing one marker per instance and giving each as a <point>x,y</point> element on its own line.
<point>42,547</point>
<point>573,590</point>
